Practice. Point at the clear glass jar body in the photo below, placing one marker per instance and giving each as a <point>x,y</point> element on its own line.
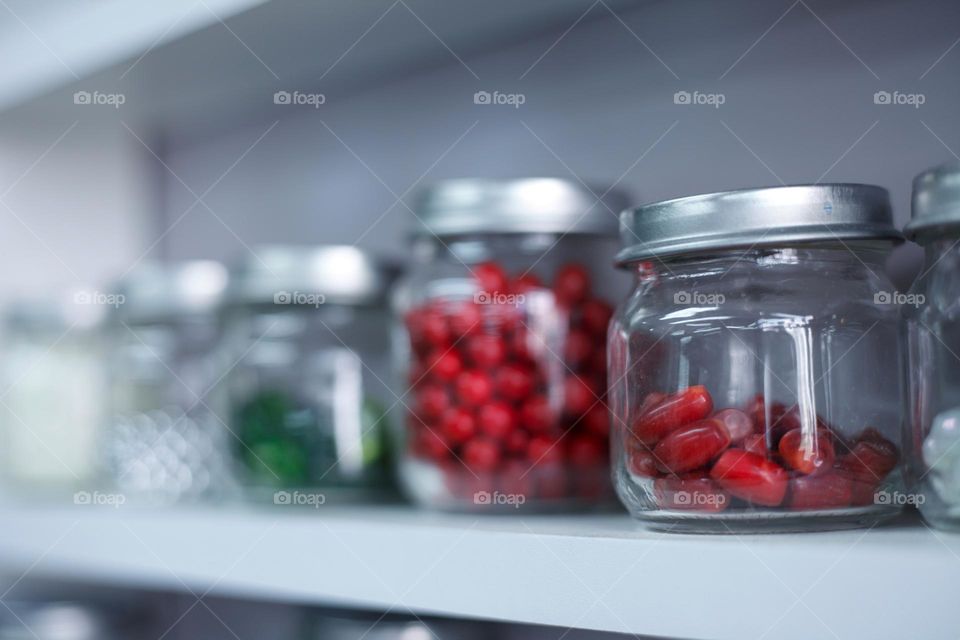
<point>54,387</point>
<point>758,391</point>
<point>932,325</point>
<point>165,441</point>
<point>307,400</point>
<point>500,349</point>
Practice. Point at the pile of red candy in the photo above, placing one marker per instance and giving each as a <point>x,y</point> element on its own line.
<point>707,461</point>
<point>500,407</point>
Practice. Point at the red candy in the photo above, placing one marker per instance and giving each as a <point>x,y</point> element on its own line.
<point>493,395</point>
<point>808,453</point>
<point>672,412</point>
<point>750,477</point>
<point>825,491</point>
<point>691,447</point>
<point>737,423</point>
<point>640,460</point>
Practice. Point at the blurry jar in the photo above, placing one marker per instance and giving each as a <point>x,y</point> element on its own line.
<point>502,326</point>
<point>756,365</point>
<point>353,625</point>
<point>165,440</point>
<point>68,620</point>
<point>307,351</point>
<point>932,313</point>
<point>52,394</point>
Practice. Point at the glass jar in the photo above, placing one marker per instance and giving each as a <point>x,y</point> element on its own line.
<point>308,349</point>
<point>932,324</point>
<point>164,440</point>
<point>51,406</point>
<point>502,322</point>
<point>755,367</point>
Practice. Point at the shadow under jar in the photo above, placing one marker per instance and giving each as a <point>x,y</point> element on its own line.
<point>932,321</point>
<point>501,346</point>
<point>755,367</point>
<point>307,350</point>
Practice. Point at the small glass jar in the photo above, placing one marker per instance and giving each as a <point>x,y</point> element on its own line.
<point>932,322</point>
<point>502,323</point>
<point>755,367</point>
<point>53,380</point>
<point>307,350</point>
<point>164,440</point>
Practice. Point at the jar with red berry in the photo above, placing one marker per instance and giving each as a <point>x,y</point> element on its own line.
<point>501,345</point>
<point>755,368</point>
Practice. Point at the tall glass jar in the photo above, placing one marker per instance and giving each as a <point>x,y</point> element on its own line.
<point>51,407</point>
<point>932,314</point>
<point>164,440</point>
<point>755,367</point>
<point>307,353</point>
<point>502,322</point>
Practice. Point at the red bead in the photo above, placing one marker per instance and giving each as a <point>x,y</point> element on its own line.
<point>430,444</point>
<point>596,317</point>
<point>543,450</point>
<point>828,490</point>
<point>869,461</point>
<point>536,415</point>
<point>444,365</point>
<point>808,453</point>
<point>578,348</point>
<point>517,442</point>
<point>497,420</point>
<point>514,382</point>
<point>432,401</point>
<point>473,388</point>
<point>486,351</point>
<point>750,477</point>
<point>691,446</point>
<point>464,318</point>
<point>428,326</point>
<point>490,278</point>
<point>481,454</point>
<point>689,494</point>
<point>737,423</point>
<point>578,396</point>
<point>597,420</point>
<point>756,443</point>
<point>674,411</point>
<point>586,451</point>
<point>526,283</point>
<point>458,425</point>
<point>572,285</point>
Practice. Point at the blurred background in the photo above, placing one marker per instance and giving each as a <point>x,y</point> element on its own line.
<point>136,132</point>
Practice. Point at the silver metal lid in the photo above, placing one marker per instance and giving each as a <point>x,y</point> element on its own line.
<point>526,205</point>
<point>936,202</point>
<point>157,291</point>
<point>299,275</point>
<point>763,217</point>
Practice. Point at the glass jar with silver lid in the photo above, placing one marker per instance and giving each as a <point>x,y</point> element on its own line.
<point>306,351</point>
<point>932,314</point>
<point>164,440</point>
<point>755,366</point>
<point>500,338</point>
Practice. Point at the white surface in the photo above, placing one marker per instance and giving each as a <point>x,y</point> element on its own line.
<point>599,572</point>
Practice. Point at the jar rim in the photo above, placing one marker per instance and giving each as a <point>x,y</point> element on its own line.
<point>935,203</point>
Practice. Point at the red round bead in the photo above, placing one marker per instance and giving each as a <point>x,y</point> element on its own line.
<point>497,420</point>
<point>572,285</point>
<point>473,388</point>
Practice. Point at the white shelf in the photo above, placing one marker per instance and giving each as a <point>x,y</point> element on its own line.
<point>593,572</point>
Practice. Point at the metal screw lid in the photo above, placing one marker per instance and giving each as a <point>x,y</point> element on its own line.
<point>341,274</point>
<point>762,217</point>
<point>936,202</point>
<point>163,291</point>
<point>526,205</point>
